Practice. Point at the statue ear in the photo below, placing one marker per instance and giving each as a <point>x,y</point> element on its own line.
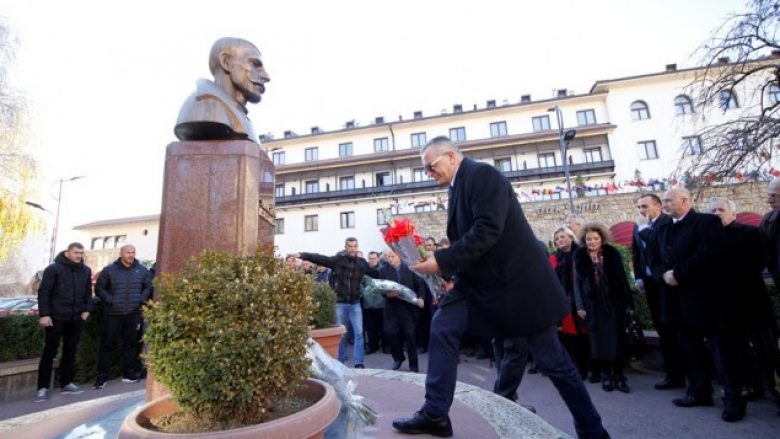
<point>225,58</point>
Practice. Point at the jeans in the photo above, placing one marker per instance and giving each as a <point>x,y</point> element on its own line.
<point>351,312</point>
<point>69,331</point>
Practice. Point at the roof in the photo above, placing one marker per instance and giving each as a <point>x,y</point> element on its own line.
<point>127,220</point>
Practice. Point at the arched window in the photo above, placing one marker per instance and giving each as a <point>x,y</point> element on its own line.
<point>639,111</point>
<point>683,105</point>
<point>727,100</point>
<point>773,94</point>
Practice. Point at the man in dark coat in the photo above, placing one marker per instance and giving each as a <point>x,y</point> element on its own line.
<point>400,317</point>
<point>503,287</point>
<point>123,287</point>
<point>769,227</point>
<point>652,217</point>
<point>686,256</point>
<point>64,302</point>
<point>754,318</point>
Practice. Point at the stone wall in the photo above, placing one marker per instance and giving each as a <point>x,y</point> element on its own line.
<point>546,216</point>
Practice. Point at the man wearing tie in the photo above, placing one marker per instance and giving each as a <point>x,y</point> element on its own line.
<point>503,287</point>
<point>650,218</point>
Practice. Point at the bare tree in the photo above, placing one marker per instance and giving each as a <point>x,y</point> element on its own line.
<point>743,55</point>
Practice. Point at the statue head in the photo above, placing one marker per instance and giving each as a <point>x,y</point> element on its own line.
<point>238,69</point>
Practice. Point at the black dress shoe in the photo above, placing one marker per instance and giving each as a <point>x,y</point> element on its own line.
<point>734,411</point>
<point>359,366</point>
<point>691,401</point>
<point>397,364</point>
<point>607,384</point>
<point>667,384</point>
<point>621,385</point>
<point>423,423</point>
<point>533,370</point>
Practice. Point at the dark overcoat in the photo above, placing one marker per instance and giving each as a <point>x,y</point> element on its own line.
<point>608,300</point>
<point>639,243</point>
<point>693,249</point>
<point>496,259</point>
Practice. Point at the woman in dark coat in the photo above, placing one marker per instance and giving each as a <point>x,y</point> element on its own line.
<point>603,298</point>
<point>574,335</point>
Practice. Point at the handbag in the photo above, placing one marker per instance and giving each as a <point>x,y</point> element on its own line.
<point>635,337</point>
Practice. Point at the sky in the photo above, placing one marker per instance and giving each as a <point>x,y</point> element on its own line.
<point>105,79</point>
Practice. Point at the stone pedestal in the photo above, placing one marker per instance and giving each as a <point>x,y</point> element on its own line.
<point>217,195</point>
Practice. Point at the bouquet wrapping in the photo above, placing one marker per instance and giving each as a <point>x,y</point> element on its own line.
<point>402,237</point>
<point>382,286</point>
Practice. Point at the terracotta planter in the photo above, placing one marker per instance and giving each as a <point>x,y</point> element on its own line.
<point>329,338</point>
<point>309,423</point>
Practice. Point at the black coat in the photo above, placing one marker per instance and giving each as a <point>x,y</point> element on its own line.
<point>607,300</point>
<point>640,241</point>
<point>124,289</point>
<point>768,228</point>
<point>66,289</point>
<point>496,259</point>
<point>693,249</point>
<point>409,280</point>
<point>346,274</point>
<point>748,296</point>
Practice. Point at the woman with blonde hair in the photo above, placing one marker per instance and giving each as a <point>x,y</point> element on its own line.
<point>603,298</point>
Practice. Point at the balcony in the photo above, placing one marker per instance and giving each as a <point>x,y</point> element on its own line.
<point>432,185</point>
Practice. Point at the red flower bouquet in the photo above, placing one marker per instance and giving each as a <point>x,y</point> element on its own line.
<point>403,238</point>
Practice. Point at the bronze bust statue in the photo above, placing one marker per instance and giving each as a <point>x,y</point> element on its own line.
<point>217,109</point>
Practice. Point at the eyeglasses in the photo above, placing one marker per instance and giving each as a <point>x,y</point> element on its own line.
<point>429,166</point>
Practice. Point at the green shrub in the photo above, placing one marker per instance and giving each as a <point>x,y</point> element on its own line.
<point>228,336</point>
<point>20,337</point>
<point>325,306</point>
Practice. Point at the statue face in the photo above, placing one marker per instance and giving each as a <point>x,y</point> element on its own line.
<point>248,73</point>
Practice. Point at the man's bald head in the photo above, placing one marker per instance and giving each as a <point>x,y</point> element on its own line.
<point>773,194</point>
<point>226,44</point>
<point>677,202</point>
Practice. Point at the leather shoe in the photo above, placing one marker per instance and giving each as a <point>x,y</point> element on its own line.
<point>691,401</point>
<point>607,384</point>
<point>397,364</point>
<point>734,409</point>
<point>621,385</point>
<point>668,384</point>
<point>423,423</point>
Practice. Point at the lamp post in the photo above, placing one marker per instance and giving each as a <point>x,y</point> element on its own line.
<point>57,217</point>
<point>39,207</point>
<point>564,139</point>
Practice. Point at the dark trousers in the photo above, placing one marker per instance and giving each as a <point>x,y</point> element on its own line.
<point>448,325</point>
<point>373,323</point>
<point>69,331</point>
<point>760,359</point>
<point>578,348</point>
<point>126,327</point>
<point>722,350</point>
<point>511,358</point>
<point>668,337</point>
<point>401,321</point>
<point>424,321</point>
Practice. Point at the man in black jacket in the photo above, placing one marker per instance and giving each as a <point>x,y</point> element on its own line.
<point>401,316</point>
<point>123,287</point>
<point>504,286</point>
<point>347,270</point>
<point>650,218</point>
<point>686,256</point>
<point>64,302</point>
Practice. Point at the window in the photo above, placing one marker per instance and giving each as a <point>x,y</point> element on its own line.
<point>278,158</point>
<point>692,145</point>
<point>639,111</point>
<point>345,149</point>
<point>586,117</point>
<point>383,179</point>
<point>311,223</point>
<point>381,144</point>
<point>547,160</point>
<point>279,227</point>
<point>418,140</point>
<point>497,129</point>
<point>418,174</point>
<point>648,150</point>
<point>541,123</point>
<point>737,139</point>
<point>727,100</point>
<point>458,134</point>
<point>346,183</point>
<point>279,190</point>
<point>381,217</point>
<point>312,186</point>
<point>592,155</point>
<point>683,105</point>
<point>347,220</point>
<point>504,165</point>
<point>312,154</point>
<point>773,93</point>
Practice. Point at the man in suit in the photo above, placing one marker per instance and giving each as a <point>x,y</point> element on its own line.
<point>503,287</point>
<point>686,256</point>
<point>650,218</point>
<point>401,316</point>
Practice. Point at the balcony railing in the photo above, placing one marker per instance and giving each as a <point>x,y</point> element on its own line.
<point>419,186</point>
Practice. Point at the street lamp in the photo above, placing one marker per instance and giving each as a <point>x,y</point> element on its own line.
<point>564,139</point>
<point>57,217</point>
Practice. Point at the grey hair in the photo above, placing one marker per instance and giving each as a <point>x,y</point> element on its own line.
<point>441,144</point>
<point>121,249</point>
<point>717,200</point>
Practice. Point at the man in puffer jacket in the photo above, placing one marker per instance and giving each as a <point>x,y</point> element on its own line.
<point>122,287</point>
<point>64,302</point>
